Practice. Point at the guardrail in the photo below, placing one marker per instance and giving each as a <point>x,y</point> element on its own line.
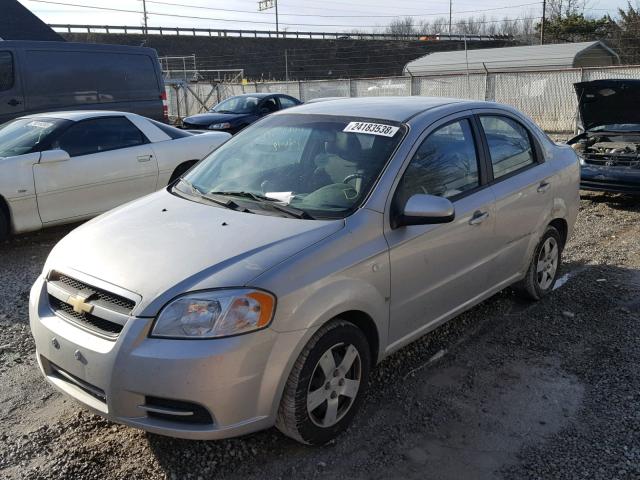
<point>211,32</point>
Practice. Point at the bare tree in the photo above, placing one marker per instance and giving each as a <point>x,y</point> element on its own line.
<point>402,28</point>
<point>565,8</point>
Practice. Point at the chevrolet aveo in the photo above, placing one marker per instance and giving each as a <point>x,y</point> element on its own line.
<point>262,287</point>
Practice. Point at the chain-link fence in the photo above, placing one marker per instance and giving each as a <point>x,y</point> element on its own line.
<point>548,97</point>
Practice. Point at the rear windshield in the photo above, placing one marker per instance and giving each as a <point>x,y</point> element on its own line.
<point>173,132</point>
<point>26,135</point>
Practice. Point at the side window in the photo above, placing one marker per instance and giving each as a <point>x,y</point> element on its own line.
<point>270,104</point>
<point>6,71</point>
<point>99,135</point>
<point>509,144</point>
<point>446,164</point>
<point>286,102</point>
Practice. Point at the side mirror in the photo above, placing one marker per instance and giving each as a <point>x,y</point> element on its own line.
<point>422,209</point>
<point>54,156</point>
<point>264,111</point>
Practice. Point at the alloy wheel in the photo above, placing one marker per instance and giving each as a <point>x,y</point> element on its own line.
<point>547,264</point>
<point>334,385</point>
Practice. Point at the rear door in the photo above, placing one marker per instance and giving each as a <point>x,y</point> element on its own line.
<point>11,96</point>
<point>111,163</point>
<point>521,182</point>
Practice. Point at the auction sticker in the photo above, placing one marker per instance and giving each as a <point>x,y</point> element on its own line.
<point>371,128</point>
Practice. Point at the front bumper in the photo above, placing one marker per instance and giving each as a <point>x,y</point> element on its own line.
<point>237,381</point>
<point>610,179</point>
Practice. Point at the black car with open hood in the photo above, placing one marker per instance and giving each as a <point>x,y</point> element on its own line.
<point>609,145</point>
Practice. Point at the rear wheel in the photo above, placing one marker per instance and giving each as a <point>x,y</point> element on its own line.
<point>545,264</point>
<point>327,384</point>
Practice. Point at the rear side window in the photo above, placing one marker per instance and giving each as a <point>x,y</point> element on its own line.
<point>286,102</point>
<point>446,164</point>
<point>6,71</point>
<point>77,77</point>
<point>99,135</point>
<point>509,145</point>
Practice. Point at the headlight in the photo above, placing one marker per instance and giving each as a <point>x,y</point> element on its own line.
<point>219,126</point>
<point>215,313</point>
<point>581,160</point>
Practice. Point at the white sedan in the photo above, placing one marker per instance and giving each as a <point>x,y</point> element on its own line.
<point>65,167</point>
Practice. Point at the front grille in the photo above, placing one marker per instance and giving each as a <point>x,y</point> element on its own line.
<point>100,297</point>
<point>86,320</point>
<point>607,160</point>
<point>65,376</point>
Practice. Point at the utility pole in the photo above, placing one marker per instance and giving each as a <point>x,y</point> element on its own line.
<point>266,5</point>
<point>544,14</point>
<point>286,66</point>
<point>145,16</point>
<point>450,10</point>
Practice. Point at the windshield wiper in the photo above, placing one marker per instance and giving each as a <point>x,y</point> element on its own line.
<point>289,210</point>
<point>196,192</point>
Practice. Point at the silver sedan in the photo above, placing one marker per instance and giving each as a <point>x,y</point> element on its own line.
<point>263,287</point>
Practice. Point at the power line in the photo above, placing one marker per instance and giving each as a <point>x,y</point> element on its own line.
<point>172,15</point>
<point>200,7</point>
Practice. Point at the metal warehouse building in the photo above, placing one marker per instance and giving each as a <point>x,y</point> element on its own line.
<point>531,58</point>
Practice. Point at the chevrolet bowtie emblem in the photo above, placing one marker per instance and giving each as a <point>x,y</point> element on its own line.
<point>79,303</point>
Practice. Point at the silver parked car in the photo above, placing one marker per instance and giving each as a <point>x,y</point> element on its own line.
<point>263,287</point>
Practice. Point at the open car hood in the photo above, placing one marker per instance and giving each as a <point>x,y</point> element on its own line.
<point>608,102</point>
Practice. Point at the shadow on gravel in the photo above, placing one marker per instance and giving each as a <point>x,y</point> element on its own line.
<point>613,200</point>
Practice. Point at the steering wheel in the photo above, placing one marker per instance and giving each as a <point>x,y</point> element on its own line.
<point>353,176</point>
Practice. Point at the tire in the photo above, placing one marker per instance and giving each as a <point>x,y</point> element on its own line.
<point>4,226</point>
<point>341,393</point>
<point>548,257</point>
<point>180,170</point>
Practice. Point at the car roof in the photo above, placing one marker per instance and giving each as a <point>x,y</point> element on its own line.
<point>398,109</point>
<point>78,115</point>
<point>259,94</point>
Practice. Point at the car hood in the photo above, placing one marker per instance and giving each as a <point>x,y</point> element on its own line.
<point>608,102</point>
<point>212,117</point>
<point>162,245</point>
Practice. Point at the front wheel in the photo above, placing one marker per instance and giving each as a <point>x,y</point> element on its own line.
<point>543,270</point>
<point>326,385</point>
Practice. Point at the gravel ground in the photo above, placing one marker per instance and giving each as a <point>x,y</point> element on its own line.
<point>508,390</point>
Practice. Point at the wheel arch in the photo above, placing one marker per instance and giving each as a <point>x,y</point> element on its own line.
<point>562,226</point>
<point>4,208</point>
<point>365,323</point>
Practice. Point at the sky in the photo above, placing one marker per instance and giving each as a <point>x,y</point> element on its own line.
<point>294,15</point>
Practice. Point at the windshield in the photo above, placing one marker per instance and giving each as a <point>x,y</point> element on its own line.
<point>321,165</point>
<point>237,105</point>
<point>26,135</point>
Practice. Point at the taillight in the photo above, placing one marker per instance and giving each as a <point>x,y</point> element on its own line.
<point>165,106</point>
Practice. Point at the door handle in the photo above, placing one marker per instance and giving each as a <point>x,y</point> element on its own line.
<point>544,186</point>
<point>144,158</point>
<point>478,217</point>
<point>13,102</point>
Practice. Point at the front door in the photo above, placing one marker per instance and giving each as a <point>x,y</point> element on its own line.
<point>111,163</point>
<point>11,97</point>
<point>436,270</point>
